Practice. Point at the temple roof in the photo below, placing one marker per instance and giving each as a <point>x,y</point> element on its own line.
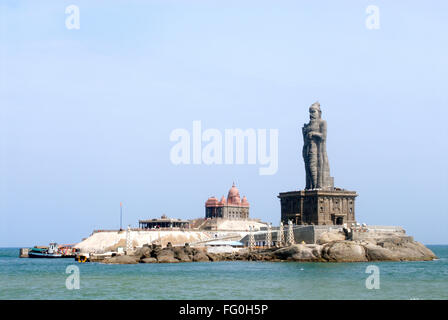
<point>233,196</point>
<point>233,199</point>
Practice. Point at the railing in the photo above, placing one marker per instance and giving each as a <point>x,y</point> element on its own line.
<point>103,230</point>
<point>162,229</point>
<point>144,229</point>
<point>216,239</point>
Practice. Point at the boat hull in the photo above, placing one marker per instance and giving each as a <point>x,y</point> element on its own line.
<point>44,255</point>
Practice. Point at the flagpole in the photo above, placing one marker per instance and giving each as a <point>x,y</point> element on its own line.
<point>121,216</point>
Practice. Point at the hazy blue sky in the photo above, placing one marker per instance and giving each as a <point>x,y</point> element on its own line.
<point>85,115</point>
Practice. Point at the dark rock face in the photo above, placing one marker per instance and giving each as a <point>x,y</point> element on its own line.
<point>200,256</point>
<point>181,255</point>
<point>166,255</point>
<point>170,254</point>
<point>213,257</point>
<point>144,252</point>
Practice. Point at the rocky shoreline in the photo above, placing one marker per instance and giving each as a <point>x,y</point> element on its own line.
<point>384,249</point>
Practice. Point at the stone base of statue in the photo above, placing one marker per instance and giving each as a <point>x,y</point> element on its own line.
<point>318,207</point>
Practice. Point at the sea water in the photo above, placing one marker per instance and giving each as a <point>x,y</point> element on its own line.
<point>46,279</point>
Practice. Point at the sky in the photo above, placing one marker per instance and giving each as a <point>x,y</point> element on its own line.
<point>86,114</point>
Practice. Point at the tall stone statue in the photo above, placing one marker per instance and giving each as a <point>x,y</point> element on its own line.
<point>320,203</point>
<point>315,152</point>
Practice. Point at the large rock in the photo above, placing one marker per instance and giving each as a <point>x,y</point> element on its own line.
<point>409,250</point>
<point>298,252</point>
<point>181,255</point>
<point>167,259</point>
<point>214,257</point>
<point>200,256</point>
<point>344,251</point>
<point>377,253</point>
<point>326,237</point>
<point>144,252</point>
<point>239,256</point>
<point>390,249</point>
<point>425,253</point>
<point>166,256</point>
<point>122,260</point>
<point>188,250</point>
<point>149,260</point>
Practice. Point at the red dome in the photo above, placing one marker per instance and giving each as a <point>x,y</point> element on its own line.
<point>244,202</point>
<point>234,196</point>
<point>223,200</point>
<point>212,201</point>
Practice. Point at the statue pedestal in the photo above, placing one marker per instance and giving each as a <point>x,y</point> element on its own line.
<point>318,207</point>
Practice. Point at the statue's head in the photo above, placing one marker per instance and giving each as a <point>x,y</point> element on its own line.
<point>315,112</point>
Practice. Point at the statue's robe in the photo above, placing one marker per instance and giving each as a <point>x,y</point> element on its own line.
<point>315,156</point>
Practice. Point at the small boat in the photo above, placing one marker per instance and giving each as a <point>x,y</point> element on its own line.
<point>50,252</point>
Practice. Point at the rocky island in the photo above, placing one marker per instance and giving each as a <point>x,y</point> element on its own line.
<point>321,218</point>
<point>387,249</point>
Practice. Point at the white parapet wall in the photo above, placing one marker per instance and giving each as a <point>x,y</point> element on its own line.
<point>377,232</point>
<point>104,241</point>
<point>362,231</point>
<point>313,234</point>
<point>111,240</point>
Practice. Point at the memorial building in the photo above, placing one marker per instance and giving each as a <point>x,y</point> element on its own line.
<point>232,208</point>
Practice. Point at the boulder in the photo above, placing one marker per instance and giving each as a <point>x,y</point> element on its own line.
<point>317,251</point>
<point>181,255</point>
<point>268,257</point>
<point>121,260</point>
<point>425,252</point>
<point>377,253</point>
<point>307,254</point>
<point>239,257</point>
<point>330,236</point>
<point>298,252</point>
<point>148,260</point>
<point>188,250</point>
<point>285,253</point>
<point>228,257</point>
<point>344,251</point>
<point>200,256</point>
<point>166,256</point>
<point>144,252</point>
<point>213,257</point>
<point>392,242</point>
<point>390,249</point>
<point>252,256</point>
<point>166,259</point>
<point>156,246</point>
<point>412,251</point>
